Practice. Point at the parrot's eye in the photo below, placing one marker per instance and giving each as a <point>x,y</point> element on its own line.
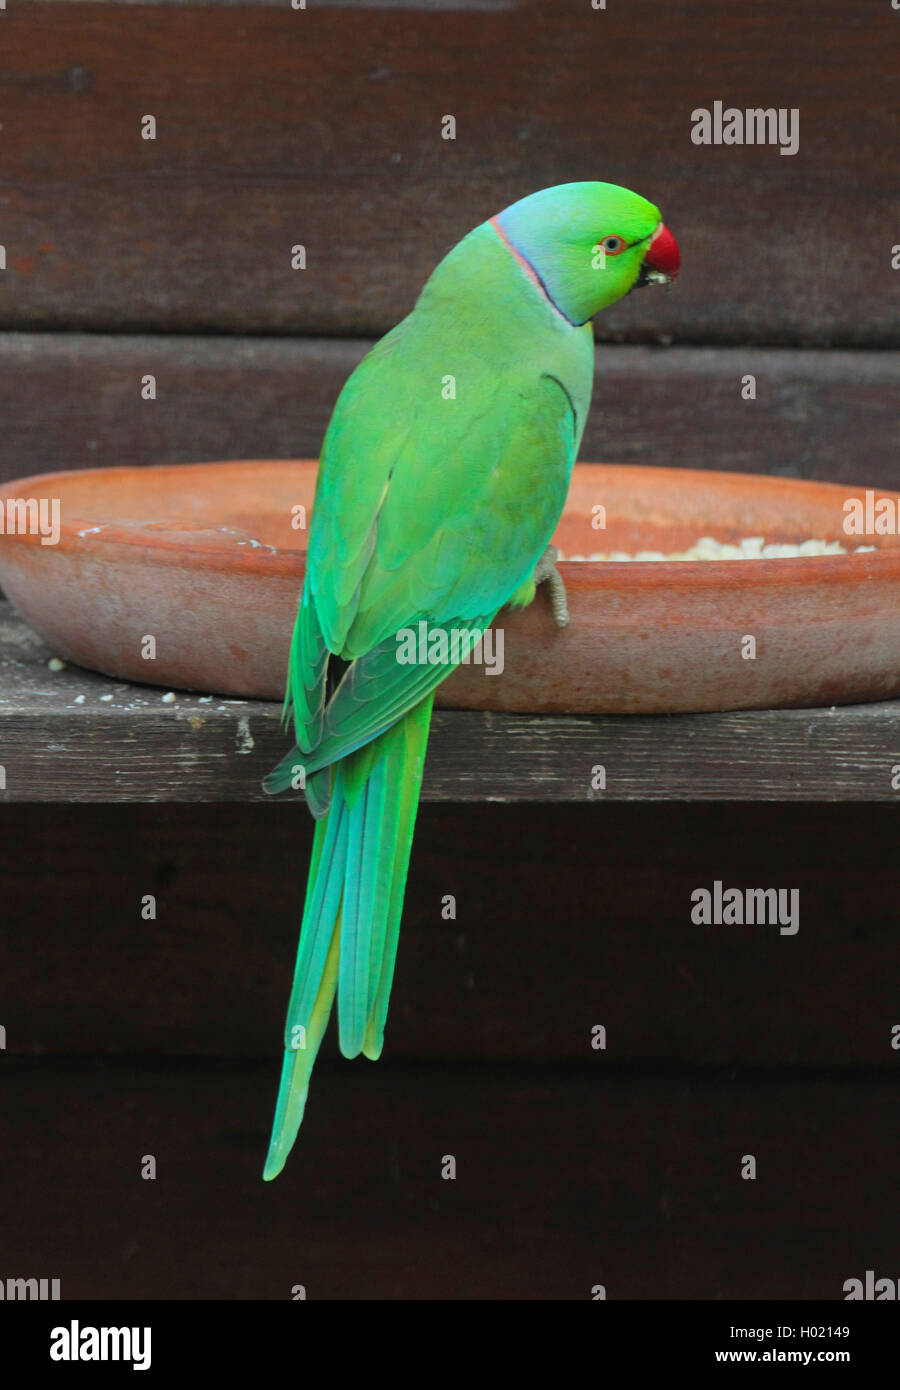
<point>612,245</point>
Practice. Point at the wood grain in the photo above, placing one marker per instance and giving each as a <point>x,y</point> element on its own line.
<point>323,128</point>
<point>565,919</point>
<point>563,1182</point>
<point>72,735</point>
<point>73,400</point>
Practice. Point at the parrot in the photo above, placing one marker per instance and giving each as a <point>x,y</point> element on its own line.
<point>443,474</point>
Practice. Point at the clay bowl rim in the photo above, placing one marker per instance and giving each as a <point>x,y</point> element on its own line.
<point>851,567</point>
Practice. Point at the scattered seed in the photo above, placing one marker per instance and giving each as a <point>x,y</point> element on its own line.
<point>750,548</point>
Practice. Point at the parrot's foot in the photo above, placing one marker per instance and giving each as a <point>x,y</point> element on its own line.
<point>547,573</point>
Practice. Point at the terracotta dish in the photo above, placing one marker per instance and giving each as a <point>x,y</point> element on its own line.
<point>208,559</point>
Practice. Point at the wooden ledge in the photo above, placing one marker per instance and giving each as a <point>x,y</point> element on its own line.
<point>72,735</point>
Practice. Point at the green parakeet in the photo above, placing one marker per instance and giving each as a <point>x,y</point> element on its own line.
<point>443,475</point>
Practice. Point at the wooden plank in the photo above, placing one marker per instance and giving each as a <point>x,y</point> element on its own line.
<point>565,919</point>
<point>73,401</point>
<point>477,5</point>
<point>563,1182</point>
<point>322,127</point>
<point>202,748</point>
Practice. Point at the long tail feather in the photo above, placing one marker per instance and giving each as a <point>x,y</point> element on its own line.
<point>351,918</point>
<point>404,809</point>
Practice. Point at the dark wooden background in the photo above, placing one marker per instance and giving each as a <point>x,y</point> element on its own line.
<point>575,1167</point>
<point>322,127</point>
<point>126,1037</point>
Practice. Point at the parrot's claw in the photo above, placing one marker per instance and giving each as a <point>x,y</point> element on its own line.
<point>547,573</point>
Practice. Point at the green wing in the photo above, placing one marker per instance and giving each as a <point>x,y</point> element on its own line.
<point>426,509</point>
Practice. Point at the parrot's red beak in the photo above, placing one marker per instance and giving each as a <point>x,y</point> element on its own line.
<point>662,261</point>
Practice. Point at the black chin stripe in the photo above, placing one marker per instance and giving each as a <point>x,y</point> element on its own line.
<point>529,268</point>
<point>549,296</point>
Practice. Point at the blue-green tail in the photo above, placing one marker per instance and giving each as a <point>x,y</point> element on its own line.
<point>351,917</point>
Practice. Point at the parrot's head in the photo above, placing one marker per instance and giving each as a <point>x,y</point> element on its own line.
<point>589,244</point>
